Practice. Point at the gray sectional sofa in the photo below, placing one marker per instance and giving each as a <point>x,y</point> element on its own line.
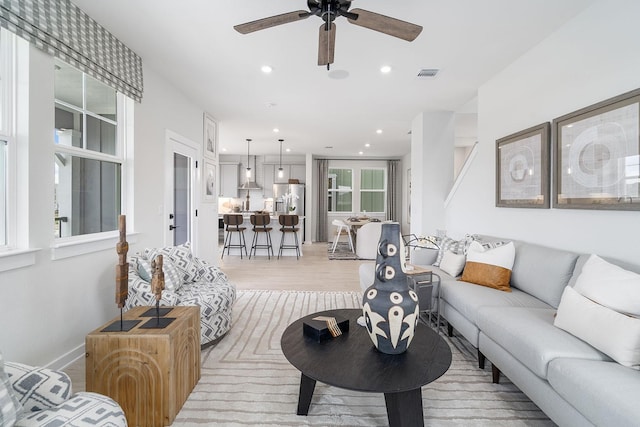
<point>571,381</point>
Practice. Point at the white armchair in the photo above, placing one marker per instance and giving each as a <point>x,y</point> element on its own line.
<point>367,238</point>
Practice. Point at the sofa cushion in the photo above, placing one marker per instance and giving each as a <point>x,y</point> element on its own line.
<point>610,285</point>
<point>172,275</point>
<point>10,407</point>
<point>528,335</point>
<point>611,332</point>
<point>542,271</point>
<point>467,298</point>
<point>489,267</point>
<point>605,392</point>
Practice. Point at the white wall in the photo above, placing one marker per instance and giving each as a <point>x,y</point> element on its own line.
<point>590,59</point>
<point>47,309</point>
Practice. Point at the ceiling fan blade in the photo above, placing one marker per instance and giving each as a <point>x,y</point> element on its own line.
<point>272,21</point>
<point>326,44</point>
<point>385,24</point>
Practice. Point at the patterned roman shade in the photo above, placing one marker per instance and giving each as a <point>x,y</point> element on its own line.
<point>66,32</point>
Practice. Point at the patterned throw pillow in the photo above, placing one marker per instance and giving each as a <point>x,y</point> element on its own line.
<point>456,246</point>
<point>173,277</point>
<point>181,257</point>
<point>10,407</point>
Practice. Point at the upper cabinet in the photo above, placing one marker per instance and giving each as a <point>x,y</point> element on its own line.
<point>228,180</point>
<point>290,172</point>
<point>269,172</point>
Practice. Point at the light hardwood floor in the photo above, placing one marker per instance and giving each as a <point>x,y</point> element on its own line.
<point>312,272</point>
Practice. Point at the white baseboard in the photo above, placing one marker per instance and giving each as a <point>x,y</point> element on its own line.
<point>68,358</point>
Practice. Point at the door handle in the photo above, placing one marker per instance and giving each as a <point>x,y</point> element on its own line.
<point>173,227</point>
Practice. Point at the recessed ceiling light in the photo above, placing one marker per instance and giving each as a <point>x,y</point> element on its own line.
<point>224,149</point>
<point>276,130</point>
<point>385,69</point>
<point>367,145</point>
<point>266,69</point>
<point>288,150</point>
<point>379,131</point>
<point>361,152</point>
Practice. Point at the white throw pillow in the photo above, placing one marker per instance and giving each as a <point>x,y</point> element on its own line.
<point>452,263</point>
<point>613,333</point>
<point>610,285</point>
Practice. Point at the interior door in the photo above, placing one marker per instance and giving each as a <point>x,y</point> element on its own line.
<point>180,195</point>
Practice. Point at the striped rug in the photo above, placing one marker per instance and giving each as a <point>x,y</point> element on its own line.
<point>246,381</point>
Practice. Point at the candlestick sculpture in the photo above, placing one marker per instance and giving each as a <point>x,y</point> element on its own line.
<point>122,279</point>
<point>157,286</point>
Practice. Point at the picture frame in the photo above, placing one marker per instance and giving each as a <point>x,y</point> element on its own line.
<point>597,155</point>
<point>210,137</point>
<point>209,180</point>
<point>523,168</point>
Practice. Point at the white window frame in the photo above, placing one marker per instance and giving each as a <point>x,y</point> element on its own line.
<point>335,191</point>
<point>15,253</point>
<point>383,190</point>
<point>65,247</point>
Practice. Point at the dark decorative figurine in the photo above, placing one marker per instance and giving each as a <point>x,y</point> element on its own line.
<point>390,307</point>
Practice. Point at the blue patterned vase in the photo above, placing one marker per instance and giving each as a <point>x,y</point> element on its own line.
<point>389,306</point>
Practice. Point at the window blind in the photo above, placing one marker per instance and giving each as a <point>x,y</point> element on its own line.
<point>63,30</point>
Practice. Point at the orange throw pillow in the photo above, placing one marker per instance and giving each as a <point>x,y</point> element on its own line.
<point>489,275</point>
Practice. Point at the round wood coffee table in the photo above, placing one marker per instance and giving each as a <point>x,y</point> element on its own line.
<point>350,361</point>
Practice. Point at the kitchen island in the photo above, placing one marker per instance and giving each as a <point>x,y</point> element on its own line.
<point>275,236</point>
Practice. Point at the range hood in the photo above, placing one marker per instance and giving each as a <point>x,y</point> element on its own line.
<point>250,184</point>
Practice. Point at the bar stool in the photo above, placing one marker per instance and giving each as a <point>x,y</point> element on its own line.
<point>341,226</point>
<point>260,223</point>
<point>233,224</point>
<point>288,223</point>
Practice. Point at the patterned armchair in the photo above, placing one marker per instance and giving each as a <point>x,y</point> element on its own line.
<point>189,281</point>
<point>43,397</point>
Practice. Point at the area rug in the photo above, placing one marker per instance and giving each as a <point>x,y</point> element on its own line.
<point>246,381</point>
<point>343,251</point>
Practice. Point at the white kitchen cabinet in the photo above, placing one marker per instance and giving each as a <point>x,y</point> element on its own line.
<point>298,172</point>
<point>228,180</point>
<point>269,171</point>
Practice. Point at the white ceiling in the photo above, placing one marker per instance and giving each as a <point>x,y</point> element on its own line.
<point>192,44</point>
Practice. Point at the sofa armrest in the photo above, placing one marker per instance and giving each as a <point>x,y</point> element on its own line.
<point>38,388</point>
<point>423,256</point>
<point>211,274</point>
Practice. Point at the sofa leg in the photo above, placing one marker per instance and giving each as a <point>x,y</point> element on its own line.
<point>449,330</point>
<point>481,360</point>
<point>495,373</point>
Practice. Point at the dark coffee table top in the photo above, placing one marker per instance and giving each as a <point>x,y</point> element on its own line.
<point>351,361</point>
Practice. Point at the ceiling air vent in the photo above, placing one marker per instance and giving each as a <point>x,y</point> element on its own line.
<point>428,73</point>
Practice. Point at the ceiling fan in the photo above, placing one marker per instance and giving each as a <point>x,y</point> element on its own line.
<point>329,10</point>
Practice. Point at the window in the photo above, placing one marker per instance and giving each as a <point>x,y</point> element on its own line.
<point>372,190</point>
<point>340,190</point>
<point>3,193</point>
<point>6,136</point>
<point>89,154</point>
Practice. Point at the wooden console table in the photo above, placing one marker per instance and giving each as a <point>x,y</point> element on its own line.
<point>149,372</point>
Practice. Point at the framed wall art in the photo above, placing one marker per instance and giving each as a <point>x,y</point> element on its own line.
<point>210,137</point>
<point>597,156</point>
<point>209,180</point>
<point>522,168</point>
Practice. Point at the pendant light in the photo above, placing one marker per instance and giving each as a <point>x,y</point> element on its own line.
<point>280,170</point>
<point>248,164</point>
